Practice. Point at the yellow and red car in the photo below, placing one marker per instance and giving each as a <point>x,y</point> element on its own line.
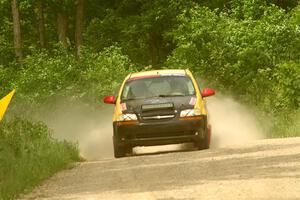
<point>159,107</point>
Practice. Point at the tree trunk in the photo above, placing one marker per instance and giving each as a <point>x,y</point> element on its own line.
<point>41,24</point>
<point>154,44</point>
<point>17,31</point>
<point>62,27</point>
<point>79,26</point>
<point>282,4</point>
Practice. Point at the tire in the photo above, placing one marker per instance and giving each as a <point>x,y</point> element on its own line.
<point>203,142</point>
<point>120,150</point>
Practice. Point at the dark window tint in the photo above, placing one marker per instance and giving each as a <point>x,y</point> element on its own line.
<point>161,86</point>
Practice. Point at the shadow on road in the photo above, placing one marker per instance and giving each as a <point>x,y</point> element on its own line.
<point>163,149</point>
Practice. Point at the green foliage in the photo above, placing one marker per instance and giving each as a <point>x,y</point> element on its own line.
<point>103,72</point>
<point>286,124</point>
<point>140,27</point>
<point>6,45</point>
<point>46,75</point>
<point>250,58</point>
<point>46,79</point>
<point>244,9</point>
<point>286,89</point>
<point>28,155</point>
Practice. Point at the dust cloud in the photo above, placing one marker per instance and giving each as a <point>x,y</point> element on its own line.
<point>90,127</point>
<point>232,123</point>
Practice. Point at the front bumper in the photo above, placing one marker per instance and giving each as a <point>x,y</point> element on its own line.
<point>161,132</point>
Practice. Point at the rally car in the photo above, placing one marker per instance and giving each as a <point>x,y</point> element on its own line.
<point>159,107</point>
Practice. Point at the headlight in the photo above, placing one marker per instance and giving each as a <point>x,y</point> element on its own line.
<point>127,117</point>
<point>190,112</point>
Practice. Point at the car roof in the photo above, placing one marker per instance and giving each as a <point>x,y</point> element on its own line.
<point>158,72</point>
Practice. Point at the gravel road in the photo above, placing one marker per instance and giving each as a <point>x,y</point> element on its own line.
<point>264,169</point>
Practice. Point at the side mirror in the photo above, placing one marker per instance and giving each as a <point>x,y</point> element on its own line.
<point>206,92</point>
<point>109,99</point>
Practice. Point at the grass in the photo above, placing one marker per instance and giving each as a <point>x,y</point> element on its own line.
<point>285,125</point>
<point>28,155</point>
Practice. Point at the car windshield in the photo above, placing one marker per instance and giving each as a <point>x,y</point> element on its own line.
<point>160,86</point>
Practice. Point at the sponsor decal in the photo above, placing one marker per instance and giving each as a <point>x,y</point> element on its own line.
<point>142,77</point>
<point>193,101</point>
<point>123,106</point>
<point>175,74</point>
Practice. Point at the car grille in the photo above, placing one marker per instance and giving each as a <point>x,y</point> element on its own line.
<point>162,135</point>
<point>155,117</point>
<point>153,112</point>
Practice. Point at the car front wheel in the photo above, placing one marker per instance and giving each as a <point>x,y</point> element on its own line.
<point>202,142</point>
<point>120,150</point>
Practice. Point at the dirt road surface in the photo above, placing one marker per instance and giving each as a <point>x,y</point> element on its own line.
<point>266,169</point>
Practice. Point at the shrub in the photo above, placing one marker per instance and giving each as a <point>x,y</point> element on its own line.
<point>28,155</point>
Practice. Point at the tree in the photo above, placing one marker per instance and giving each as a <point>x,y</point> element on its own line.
<point>286,3</point>
<point>17,31</point>
<point>62,23</point>
<point>79,26</point>
<point>41,24</point>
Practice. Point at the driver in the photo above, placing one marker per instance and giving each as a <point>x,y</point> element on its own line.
<point>178,86</point>
<point>138,89</point>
